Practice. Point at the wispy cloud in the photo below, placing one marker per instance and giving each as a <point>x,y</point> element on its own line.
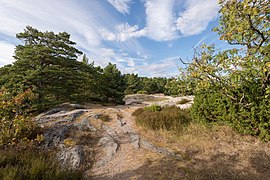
<point>200,41</point>
<point>160,24</point>
<point>123,6</point>
<point>163,23</point>
<point>160,68</point>
<point>105,37</point>
<point>123,32</point>
<point>197,16</point>
<point>72,17</point>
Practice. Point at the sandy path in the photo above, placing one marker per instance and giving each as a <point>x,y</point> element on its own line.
<point>122,153</point>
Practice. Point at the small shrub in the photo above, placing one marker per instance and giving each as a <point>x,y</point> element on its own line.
<point>253,119</point>
<point>19,129</point>
<point>167,118</point>
<point>15,125</point>
<point>183,101</point>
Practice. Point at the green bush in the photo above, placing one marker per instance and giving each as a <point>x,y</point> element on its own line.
<point>32,164</point>
<point>167,118</point>
<point>209,107</point>
<point>253,119</point>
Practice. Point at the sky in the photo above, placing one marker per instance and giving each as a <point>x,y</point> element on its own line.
<point>146,37</point>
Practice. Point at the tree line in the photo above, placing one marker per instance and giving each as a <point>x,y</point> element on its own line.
<point>46,72</point>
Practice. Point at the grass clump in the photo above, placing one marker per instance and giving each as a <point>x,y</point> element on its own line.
<point>32,164</point>
<point>167,118</point>
<point>183,101</point>
<point>104,117</point>
<point>153,108</point>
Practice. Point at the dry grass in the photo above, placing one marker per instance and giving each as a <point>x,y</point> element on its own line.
<point>32,163</point>
<point>155,99</point>
<point>69,142</point>
<point>145,97</point>
<point>215,152</point>
<point>104,117</point>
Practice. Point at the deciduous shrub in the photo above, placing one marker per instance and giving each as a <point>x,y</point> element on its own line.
<point>15,125</point>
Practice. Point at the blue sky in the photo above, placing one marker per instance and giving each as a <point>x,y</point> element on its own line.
<point>140,36</point>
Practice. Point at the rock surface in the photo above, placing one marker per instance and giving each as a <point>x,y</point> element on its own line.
<point>71,157</point>
<point>59,122</point>
<point>78,134</point>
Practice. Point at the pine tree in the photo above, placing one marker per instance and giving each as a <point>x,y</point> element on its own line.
<point>46,63</point>
<point>114,84</point>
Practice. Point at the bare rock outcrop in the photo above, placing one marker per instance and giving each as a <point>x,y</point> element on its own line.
<point>58,123</point>
<point>71,157</point>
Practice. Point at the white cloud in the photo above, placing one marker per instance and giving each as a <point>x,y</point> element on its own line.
<point>50,15</point>
<point>197,16</point>
<point>159,69</point>
<point>72,17</point>
<point>162,23</point>
<point>123,6</point>
<point>160,20</point>
<point>122,33</point>
<point>126,31</point>
<point>6,54</point>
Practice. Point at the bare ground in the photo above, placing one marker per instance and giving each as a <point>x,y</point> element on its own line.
<point>115,148</point>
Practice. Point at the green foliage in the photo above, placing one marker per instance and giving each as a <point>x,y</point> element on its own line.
<point>32,164</point>
<point>172,87</point>
<point>214,107</point>
<point>245,23</point>
<point>113,84</point>
<point>46,72</point>
<point>134,84</point>
<point>153,108</point>
<point>145,85</point>
<point>209,107</point>
<point>47,64</point>
<point>19,129</point>
<point>179,86</point>
<point>168,118</point>
<point>233,85</point>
